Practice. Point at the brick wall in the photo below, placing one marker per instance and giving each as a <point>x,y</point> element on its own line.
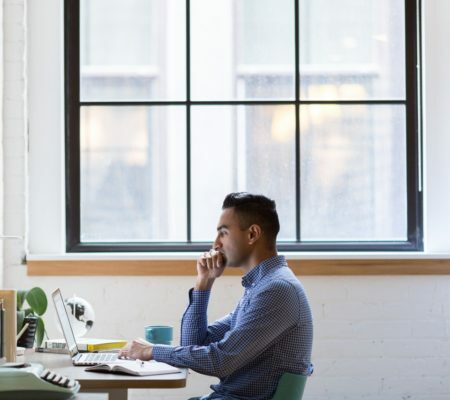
<point>14,129</point>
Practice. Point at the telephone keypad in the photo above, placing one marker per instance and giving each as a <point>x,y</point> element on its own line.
<point>50,376</point>
<point>57,379</point>
<point>71,383</point>
<point>37,383</point>
<point>63,381</point>
<point>44,373</point>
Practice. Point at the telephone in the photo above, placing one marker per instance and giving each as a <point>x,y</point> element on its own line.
<point>34,382</point>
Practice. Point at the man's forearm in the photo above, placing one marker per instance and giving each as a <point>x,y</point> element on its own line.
<point>204,283</point>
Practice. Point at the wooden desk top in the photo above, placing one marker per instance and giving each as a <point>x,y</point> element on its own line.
<point>62,364</point>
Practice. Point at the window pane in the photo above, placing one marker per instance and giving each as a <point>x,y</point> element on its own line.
<point>133,164</point>
<point>250,148</point>
<point>353,173</point>
<point>132,50</point>
<point>134,159</point>
<point>242,49</point>
<point>352,49</point>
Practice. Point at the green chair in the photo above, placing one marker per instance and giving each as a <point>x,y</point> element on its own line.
<point>290,387</point>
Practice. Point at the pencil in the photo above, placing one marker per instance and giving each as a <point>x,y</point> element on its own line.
<point>22,331</point>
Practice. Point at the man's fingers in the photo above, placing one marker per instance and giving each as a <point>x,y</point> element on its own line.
<point>124,350</point>
<point>202,260</point>
<point>219,260</point>
<point>211,260</point>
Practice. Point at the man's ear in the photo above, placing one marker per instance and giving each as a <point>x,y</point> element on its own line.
<point>254,233</point>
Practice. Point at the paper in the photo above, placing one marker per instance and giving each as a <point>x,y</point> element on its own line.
<point>135,367</point>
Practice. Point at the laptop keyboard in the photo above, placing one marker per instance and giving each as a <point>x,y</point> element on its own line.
<point>100,357</point>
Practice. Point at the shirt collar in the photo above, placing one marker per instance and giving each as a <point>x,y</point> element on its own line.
<point>258,272</point>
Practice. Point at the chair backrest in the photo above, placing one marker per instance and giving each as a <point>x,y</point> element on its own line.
<point>290,387</point>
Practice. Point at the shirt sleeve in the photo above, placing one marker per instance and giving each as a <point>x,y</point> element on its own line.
<point>194,324</point>
<point>270,313</point>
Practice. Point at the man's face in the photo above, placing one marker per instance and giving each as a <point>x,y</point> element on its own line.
<point>231,240</point>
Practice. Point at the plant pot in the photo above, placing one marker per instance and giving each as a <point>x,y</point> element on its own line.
<point>27,338</point>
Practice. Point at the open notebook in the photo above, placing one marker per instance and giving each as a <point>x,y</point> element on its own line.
<point>135,367</point>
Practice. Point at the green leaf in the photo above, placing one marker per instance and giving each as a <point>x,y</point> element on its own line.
<point>21,294</point>
<point>20,318</point>
<point>39,332</point>
<point>37,300</point>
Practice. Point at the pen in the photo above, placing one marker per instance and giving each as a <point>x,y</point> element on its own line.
<point>140,362</point>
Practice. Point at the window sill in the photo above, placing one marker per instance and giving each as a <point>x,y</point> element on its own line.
<point>183,264</point>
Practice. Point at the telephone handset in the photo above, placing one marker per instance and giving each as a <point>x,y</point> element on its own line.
<point>34,382</point>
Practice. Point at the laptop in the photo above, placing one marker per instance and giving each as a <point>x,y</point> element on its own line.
<point>78,358</point>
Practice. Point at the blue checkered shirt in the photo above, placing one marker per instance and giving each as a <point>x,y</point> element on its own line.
<point>270,332</point>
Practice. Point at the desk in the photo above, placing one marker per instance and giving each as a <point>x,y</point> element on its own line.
<point>90,396</point>
<point>115,385</point>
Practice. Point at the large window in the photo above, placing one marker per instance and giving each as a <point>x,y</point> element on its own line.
<point>172,104</point>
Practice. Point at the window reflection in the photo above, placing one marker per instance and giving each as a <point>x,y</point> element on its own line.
<point>352,157</point>
<point>132,180</point>
<point>352,42</point>
<point>353,174</point>
<point>249,148</point>
<point>132,50</point>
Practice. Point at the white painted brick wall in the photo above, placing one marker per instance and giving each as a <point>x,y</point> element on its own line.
<point>387,338</point>
<point>14,128</point>
<point>1,148</point>
<point>376,338</point>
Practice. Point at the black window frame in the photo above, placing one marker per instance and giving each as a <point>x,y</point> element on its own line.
<point>412,104</point>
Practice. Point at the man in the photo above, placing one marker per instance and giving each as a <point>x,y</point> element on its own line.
<point>270,330</point>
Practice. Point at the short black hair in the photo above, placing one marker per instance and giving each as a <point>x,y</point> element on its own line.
<point>255,209</point>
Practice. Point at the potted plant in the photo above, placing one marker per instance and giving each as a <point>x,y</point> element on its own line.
<point>31,305</point>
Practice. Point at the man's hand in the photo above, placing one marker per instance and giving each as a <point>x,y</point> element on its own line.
<point>209,267</point>
<point>138,349</point>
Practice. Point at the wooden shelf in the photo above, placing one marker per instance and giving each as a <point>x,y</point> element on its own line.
<point>187,267</point>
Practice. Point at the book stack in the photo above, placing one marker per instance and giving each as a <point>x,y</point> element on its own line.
<point>2,316</point>
<point>8,325</point>
<point>85,344</point>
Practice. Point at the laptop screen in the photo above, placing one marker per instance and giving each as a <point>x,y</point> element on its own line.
<point>65,322</point>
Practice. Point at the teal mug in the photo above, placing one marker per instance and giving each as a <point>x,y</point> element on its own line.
<point>159,334</point>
